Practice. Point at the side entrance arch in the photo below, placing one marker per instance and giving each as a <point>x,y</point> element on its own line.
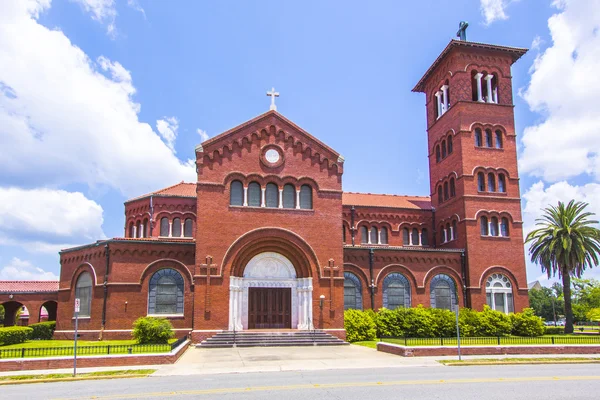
<point>270,295</point>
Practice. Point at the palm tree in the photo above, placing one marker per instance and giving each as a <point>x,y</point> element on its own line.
<point>565,244</point>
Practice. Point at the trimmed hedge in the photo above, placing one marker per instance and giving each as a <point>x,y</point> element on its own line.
<point>43,330</point>
<point>14,334</point>
<point>421,322</point>
<point>554,330</point>
<point>152,330</point>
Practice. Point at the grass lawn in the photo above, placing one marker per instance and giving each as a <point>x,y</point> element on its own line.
<point>372,344</point>
<point>493,341</point>
<point>127,372</point>
<point>37,344</point>
<point>523,360</point>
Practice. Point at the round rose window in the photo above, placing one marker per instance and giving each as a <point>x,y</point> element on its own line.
<point>272,156</point>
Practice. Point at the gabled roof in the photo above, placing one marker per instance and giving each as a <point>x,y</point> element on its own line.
<point>181,189</point>
<point>515,52</point>
<point>9,287</point>
<point>386,200</point>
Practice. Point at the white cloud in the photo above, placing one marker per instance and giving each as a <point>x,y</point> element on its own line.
<point>45,220</point>
<point>565,88</point>
<point>65,119</point>
<point>102,11</point>
<point>203,135</point>
<point>21,270</point>
<point>494,10</point>
<point>536,43</point>
<point>167,128</point>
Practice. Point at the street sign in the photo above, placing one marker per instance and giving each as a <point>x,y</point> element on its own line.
<point>77,305</point>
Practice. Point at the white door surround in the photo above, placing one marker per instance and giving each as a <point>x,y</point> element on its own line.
<point>270,270</point>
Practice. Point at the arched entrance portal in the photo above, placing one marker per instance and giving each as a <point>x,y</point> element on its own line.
<point>270,295</point>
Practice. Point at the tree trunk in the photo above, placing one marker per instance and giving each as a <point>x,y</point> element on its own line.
<point>566,278</point>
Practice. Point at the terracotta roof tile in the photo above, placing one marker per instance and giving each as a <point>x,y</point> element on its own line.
<point>386,200</point>
<point>28,286</point>
<point>181,189</point>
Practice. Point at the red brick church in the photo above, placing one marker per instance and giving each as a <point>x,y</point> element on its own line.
<point>267,239</point>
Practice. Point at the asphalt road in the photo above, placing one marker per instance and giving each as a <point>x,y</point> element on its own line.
<point>576,381</point>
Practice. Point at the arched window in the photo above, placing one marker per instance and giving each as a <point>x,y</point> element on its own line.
<point>454,230</point>
<point>498,139</point>
<point>384,235</point>
<point>138,229</point>
<point>374,235</point>
<point>488,138</point>
<point>440,196</point>
<point>448,233</point>
<point>165,294</point>
<point>414,237</point>
<point>289,196</point>
<point>164,226</point>
<point>504,230</point>
<point>236,194</point>
<point>445,190</point>
<point>442,292</point>
<point>352,292</point>
<point>146,228</point>
<point>437,153</point>
<point>475,86</point>
<point>131,230</point>
<point>424,237</point>
<point>502,183</point>
<point>491,182</point>
<point>494,227</point>
<point>272,195</point>
<point>306,200</point>
<point>480,182</point>
<point>396,291</point>
<point>443,149</point>
<point>498,292</point>
<point>83,292</point>
<point>452,188</point>
<point>188,228</point>
<point>254,194</point>
<point>450,149</point>
<point>478,139</point>
<point>405,237</point>
<point>442,234</point>
<point>177,227</point>
<point>343,234</point>
<point>484,226</point>
<point>364,235</point>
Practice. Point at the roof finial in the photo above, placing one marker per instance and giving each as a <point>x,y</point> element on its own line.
<point>273,94</point>
<point>462,30</point>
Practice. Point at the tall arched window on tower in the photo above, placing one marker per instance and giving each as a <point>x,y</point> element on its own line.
<point>498,139</point>
<point>165,292</point>
<point>176,227</point>
<point>478,138</point>
<point>131,230</point>
<point>494,226</point>
<point>306,200</point>
<point>384,235</point>
<point>484,227</point>
<point>480,182</point>
<point>188,227</point>
<point>454,230</point>
<point>504,230</point>
<point>164,226</point>
<point>501,183</point>
<point>424,237</point>
<point>364,235</point>
<point>236,194</point>
<point>352,292</point>
<point>138,229</point>
<point>405,237</point>
<point>452,188</point>
<point>83,292</point>
<point>440,195</point>
<point>396,291</point>
<point>442,292</point>
<point>450,149</point>
<point>289,196</point>
<point>488,138</point>
<point>414,237</point>
<point>438,156</point>
<point>272,195</point>
<point>374,235</point>
<point>343,234</point>
<point>491,182</point>
<point>146,228</point>
<point>254,194</point>
<point>444,149</point>
<point>498,292</point>
<point>445,190</point>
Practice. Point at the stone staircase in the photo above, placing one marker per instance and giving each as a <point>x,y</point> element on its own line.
<point>230,339</point>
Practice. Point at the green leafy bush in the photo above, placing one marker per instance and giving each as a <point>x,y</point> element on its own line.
<point>14,334</point>
<point>359,325</point>
<point>418,321</point>
<point>494,323</point>
<point>554,330</point>
<point>469,322</point>
<point>526,323</point>
<point>444,322</point>
<point>43,330</point>
<point>152,330</point>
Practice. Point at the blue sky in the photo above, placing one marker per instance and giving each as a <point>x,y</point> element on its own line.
<point>103,100</point>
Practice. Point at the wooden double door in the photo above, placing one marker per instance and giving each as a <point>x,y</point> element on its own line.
<point>269,308</point>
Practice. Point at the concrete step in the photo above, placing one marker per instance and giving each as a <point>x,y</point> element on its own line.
<point>266,339</point>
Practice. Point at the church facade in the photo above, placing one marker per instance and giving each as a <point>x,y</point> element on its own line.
<point>267,239</point>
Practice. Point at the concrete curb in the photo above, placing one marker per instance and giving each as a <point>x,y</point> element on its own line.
<point>525,362</point>
<point>83,378</point>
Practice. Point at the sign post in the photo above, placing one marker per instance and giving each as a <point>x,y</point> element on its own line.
<point>457,328</point>
<point>77,307</point>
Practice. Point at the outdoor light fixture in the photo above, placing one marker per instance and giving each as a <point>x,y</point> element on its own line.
<point>321,300</point>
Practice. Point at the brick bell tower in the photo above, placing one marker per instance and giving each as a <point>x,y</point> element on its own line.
<point>474,179</point>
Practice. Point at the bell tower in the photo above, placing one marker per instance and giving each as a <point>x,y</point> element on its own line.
<point>474,182</point>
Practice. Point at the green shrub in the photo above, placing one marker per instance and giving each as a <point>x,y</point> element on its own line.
<point>388,323</point>
<point>554,330</point>
<point>418,322</point>
<point>43,330</point>
<point>494,323</point>
<point>469,322</point>
<point>14,334</point>
<point>444,322</point>
<point>152,330</point>
<point>526,323</point>
<point>359,326</point>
